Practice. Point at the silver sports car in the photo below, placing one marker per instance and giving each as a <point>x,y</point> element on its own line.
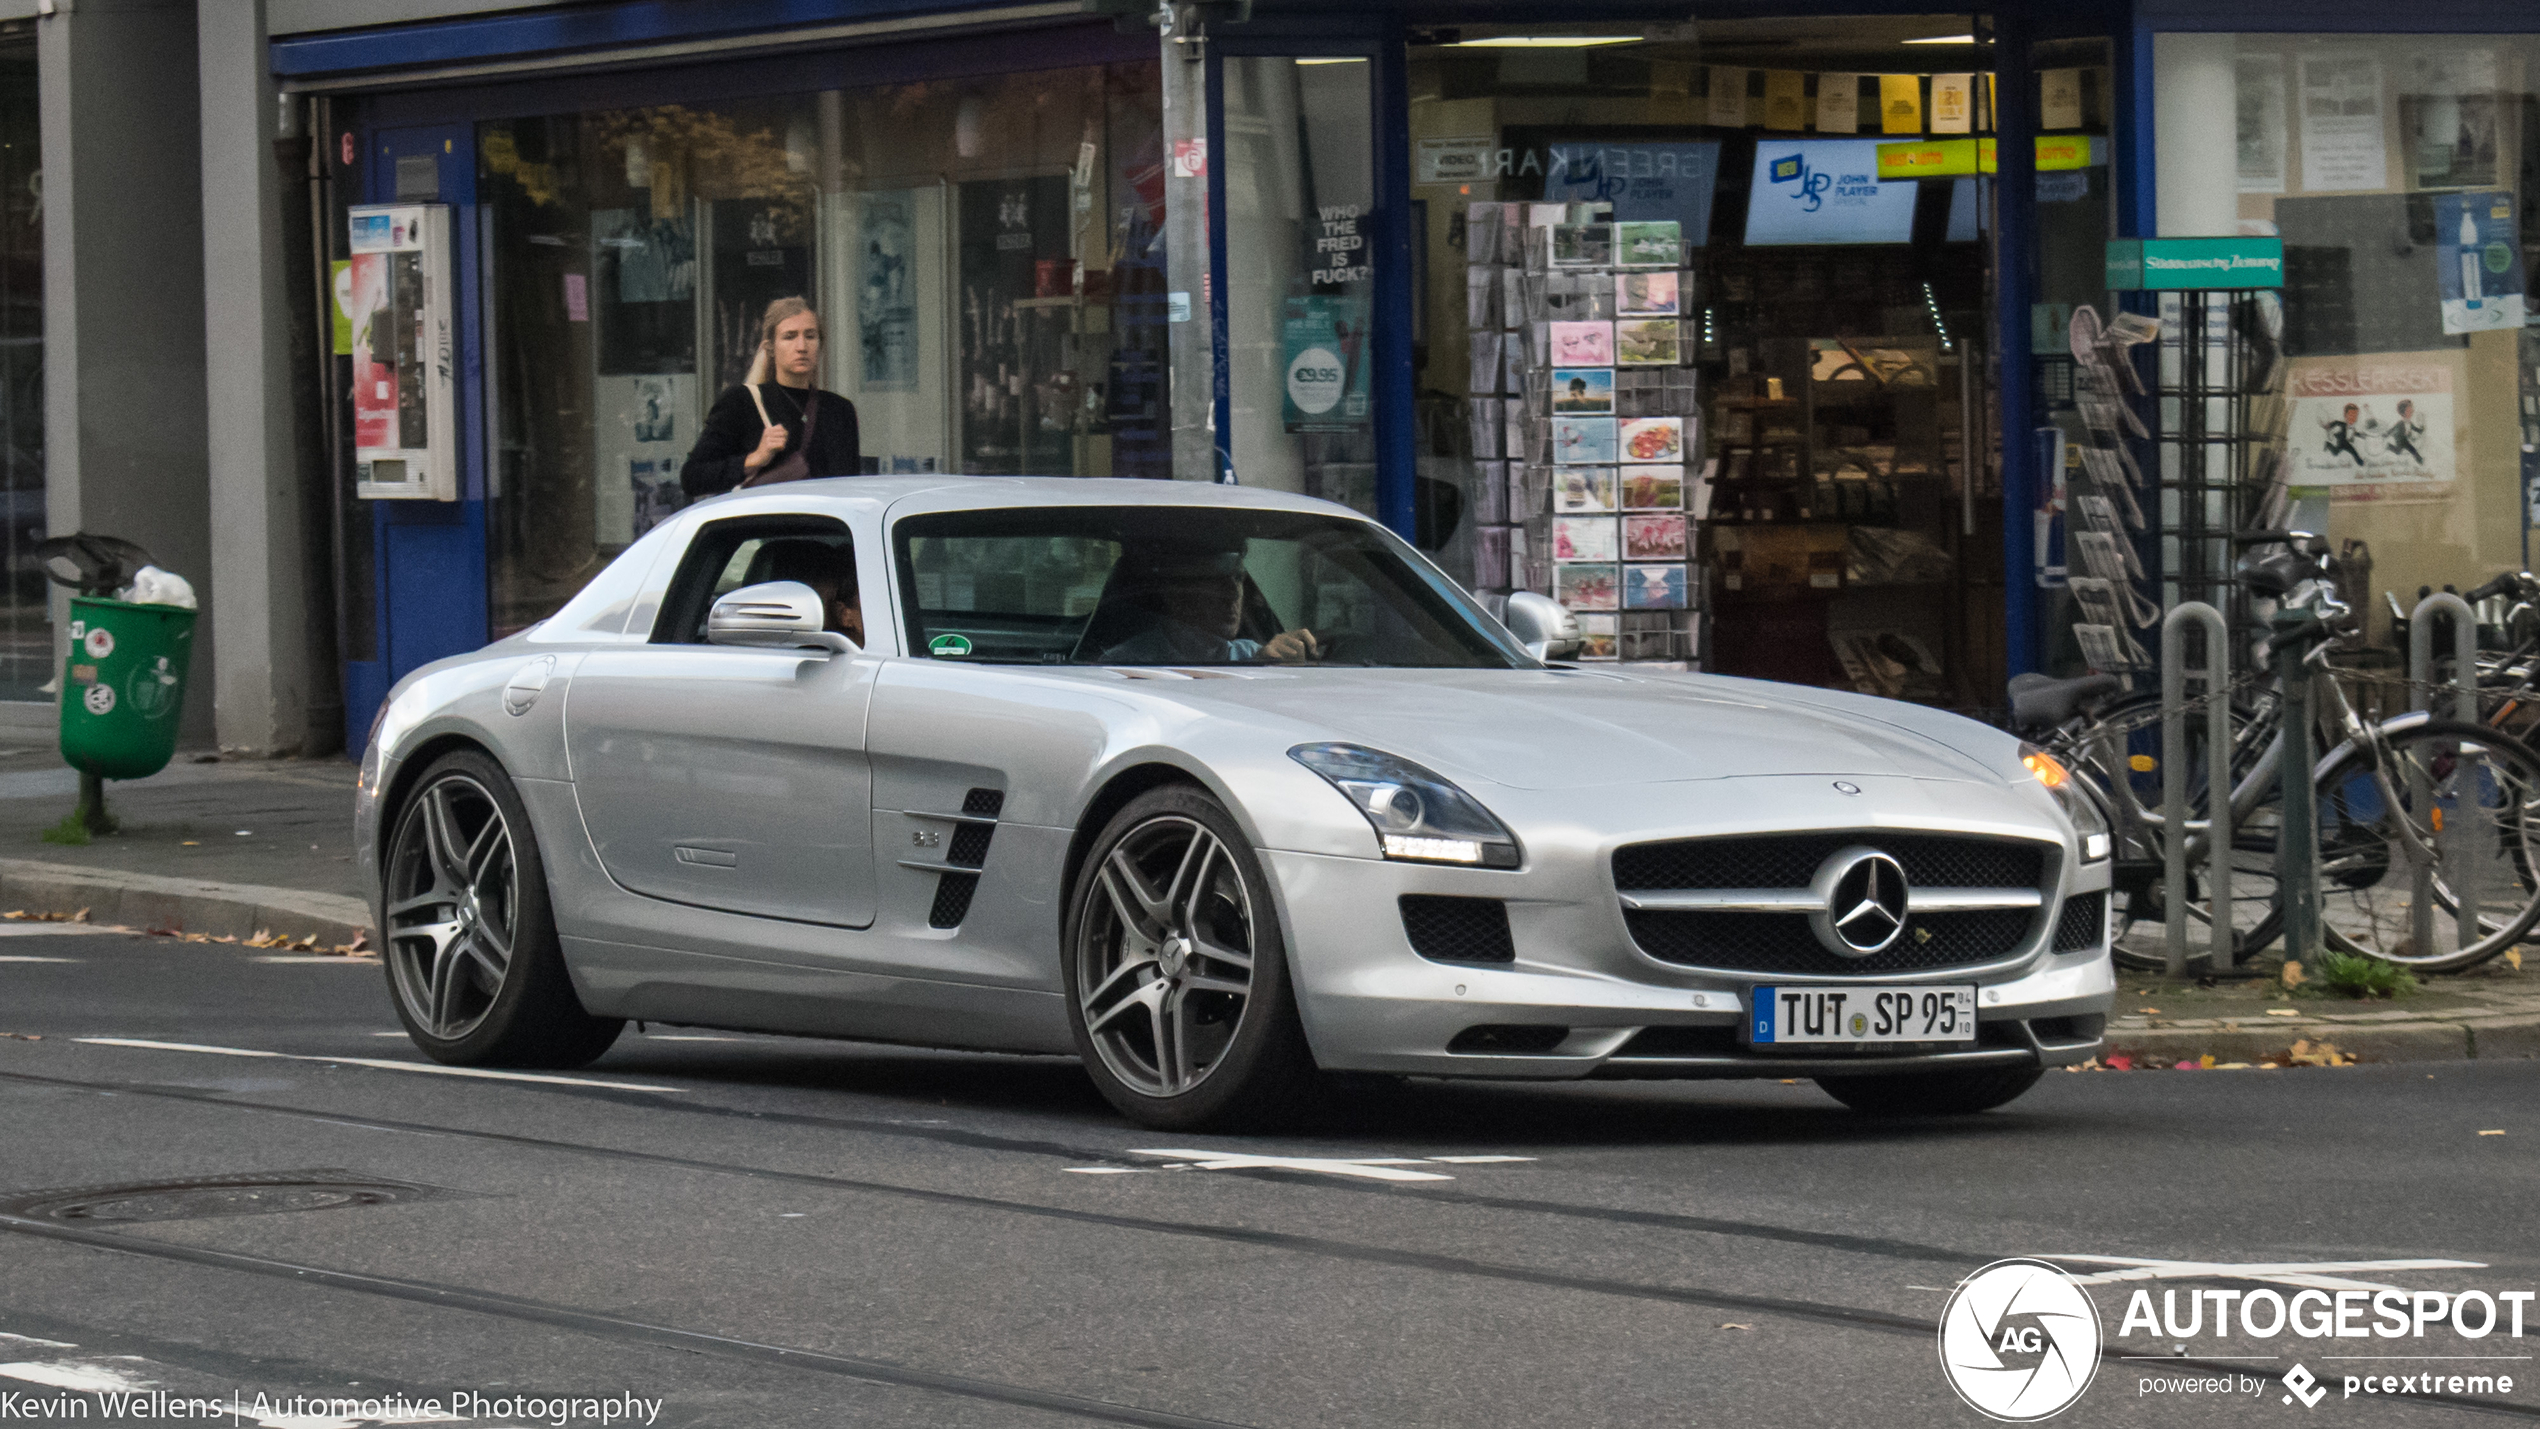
<point>1217,789</point>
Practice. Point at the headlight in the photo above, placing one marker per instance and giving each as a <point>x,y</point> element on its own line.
<point>1417,815</point>
<point>2088,823</point>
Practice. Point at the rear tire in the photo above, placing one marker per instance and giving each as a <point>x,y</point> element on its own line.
<point>474,968</point>
<point>1932,1093</point>
<point>1177,972</point>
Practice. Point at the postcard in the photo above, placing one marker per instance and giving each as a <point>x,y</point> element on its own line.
<point>1648,245</point>
<point>1583,441</point>
<point>1583,391</point>
<point>1654,587</point>
<point>1583,344</point>
<point>1583,538</point>
<point>1646,342</point>
<point>1646,294</point>
<point>1596,637</point>
<point>1583,488</point>
<point>1653,439</point>
<point>1653,488</point>
<point>1584,245</point>
<point>1584,586</point>
<point>1653,538</point>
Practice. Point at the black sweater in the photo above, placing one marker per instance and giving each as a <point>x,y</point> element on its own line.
<point>732,431</point>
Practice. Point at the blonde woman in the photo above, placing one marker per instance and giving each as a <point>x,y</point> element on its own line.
<point>776,426</point>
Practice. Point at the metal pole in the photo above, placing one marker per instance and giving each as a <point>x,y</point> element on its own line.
<point>2297,855</point>
<point>2215,672</point>
<point>2468,806</point>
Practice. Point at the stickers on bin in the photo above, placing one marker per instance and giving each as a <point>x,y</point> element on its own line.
<point>99,643</point>
<point>100,699</point>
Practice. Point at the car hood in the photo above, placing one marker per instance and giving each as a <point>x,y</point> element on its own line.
<point>1572,729</point>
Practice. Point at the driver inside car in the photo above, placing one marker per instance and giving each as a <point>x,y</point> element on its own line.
<point>1189,605</point>
<point>830,572</point>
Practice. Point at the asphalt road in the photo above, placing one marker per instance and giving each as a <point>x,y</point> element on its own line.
<point>772,1232</point>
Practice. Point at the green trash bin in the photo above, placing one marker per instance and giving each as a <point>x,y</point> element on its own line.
<point>124,686</point>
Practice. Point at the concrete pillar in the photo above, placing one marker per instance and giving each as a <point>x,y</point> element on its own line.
<point>274,689</point>
<point>123,293</point>
<point>1192,331</point>
<point>2195,128</point>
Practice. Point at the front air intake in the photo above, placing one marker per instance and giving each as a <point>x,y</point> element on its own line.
<point>1458,930</point>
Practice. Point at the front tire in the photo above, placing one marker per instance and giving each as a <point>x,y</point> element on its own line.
<point>1177,974</point>
<point>1932,1093</point>
<point>473,964</point>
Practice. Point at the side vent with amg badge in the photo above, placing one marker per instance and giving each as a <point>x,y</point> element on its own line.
<point>957,876</point>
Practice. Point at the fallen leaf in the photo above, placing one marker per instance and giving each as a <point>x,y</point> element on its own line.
<point>2185,1067</point>
<point>2231,1067</point>
<point>2498,1132</point>
<point>2514,956</point>
<point>2283,1012</point>
<point>191,843</point>
<point>2149,1011</point>
<point>2291,975</point>
<point>1734,1325</point>
<point>2120,1062</point>
<point>360,943</point>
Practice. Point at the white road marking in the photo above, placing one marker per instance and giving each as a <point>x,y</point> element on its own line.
<point>62,1374</point>
<point>24,958</point>
<point>1111,1170</point>
<point>430,1068</point>
<point>1373,1168</point>
<point>32,1340</point>
<point>28,928</point>
<point>1478,1160</point>
<point>683,1037</point>
<point>2307,1275</point>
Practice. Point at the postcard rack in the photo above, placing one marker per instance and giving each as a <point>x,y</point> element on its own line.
<point>1584,423</point>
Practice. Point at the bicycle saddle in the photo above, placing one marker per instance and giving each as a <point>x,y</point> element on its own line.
<point>2041,702</point>
<point>2277,574</point>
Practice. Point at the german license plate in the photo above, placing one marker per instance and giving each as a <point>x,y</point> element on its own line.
<point>1860,1016</point>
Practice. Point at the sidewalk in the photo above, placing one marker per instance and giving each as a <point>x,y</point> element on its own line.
<point>2491,1011</point>
<point>208,845</point>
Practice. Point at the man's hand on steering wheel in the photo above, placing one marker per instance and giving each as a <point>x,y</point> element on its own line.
<point>1297,644</point>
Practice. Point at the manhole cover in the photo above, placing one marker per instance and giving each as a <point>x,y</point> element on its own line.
<point>247,1194</point>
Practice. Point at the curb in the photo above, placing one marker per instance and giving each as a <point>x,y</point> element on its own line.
<point>195,905</point>
<point>2471,1036</point>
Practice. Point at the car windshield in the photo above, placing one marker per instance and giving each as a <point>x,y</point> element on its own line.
<point>1166,585</point>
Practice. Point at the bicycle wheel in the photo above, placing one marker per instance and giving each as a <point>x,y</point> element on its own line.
<point>2471,799</point>
<point>2139,938</point>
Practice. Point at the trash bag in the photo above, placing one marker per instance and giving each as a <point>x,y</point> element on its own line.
<point>90,565</point>
<point>152,586</point>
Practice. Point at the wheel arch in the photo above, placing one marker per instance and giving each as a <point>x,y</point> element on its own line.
<point>1108,801</point>
<point>410,769</point>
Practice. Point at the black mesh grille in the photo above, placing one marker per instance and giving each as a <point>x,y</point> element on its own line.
<point>1790,860</point>
<point>970,844</point>
<point>1458,930</point>
<point>1508,1038</point>
<point>983,803</point>
<point>1681,1042</point>
<point>2084,916</point>
<point>952,899</point>
<point>1783,943</point>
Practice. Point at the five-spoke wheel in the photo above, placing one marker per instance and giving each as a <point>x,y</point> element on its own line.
<point>1176,972</point>
<point>471,951</point>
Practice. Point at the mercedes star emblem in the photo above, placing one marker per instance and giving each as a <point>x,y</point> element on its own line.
<point>1863,913</point>
<point>1846,786</point>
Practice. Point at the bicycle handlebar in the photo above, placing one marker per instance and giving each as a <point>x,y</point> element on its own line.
<point>2504,581</point>
<point>2270,538</point>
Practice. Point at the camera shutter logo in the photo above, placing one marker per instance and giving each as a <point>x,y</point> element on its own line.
<point>2019,1341</point>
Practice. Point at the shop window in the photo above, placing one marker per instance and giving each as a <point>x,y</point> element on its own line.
<point>2385,396</point>
<point>985,255</point>
<point>1692,364</point>
<point>26,627</point>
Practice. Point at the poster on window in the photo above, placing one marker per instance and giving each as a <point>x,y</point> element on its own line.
<point>642,426</point>
<point>1646,183</point>
<point>2261,123</point>
<point>2342,142</point>
<point>2359,426</point>
<point>886,292</point>
<point>1324,341</point>
<point>2478,262</point>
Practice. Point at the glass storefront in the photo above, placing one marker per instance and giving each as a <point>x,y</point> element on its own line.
<point>2393,394</point>
<point>985,253</point>
<point>1699,368</point>
<point>26,632</point>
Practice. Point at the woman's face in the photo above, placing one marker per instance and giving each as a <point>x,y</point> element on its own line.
<point>796,348</point>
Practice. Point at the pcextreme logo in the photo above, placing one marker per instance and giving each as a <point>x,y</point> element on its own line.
<point>2019,1341</point>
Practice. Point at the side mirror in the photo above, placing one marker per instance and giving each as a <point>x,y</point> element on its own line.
<point>775,615</point>
<point>1543,625</point>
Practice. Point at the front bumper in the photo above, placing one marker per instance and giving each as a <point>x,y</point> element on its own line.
<point>1369,1003</point>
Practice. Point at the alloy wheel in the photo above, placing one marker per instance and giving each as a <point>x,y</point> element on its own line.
<point>1164,957</point>
<point>453,906</point>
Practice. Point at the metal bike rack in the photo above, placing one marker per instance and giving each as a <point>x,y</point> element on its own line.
<point>2216,673</point>
<point>2470,847</point>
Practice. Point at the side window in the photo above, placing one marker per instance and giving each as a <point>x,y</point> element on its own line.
<point>1005,597</point>
<point>751,550</point>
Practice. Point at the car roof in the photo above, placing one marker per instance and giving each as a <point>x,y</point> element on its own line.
<point>904,495</point>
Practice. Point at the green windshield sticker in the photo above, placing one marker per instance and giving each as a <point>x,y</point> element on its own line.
<point>949,645</point>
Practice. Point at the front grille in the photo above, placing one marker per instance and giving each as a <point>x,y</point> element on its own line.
<point>2084,916</point>
<point>1783,943</point>
<point>1790,860</point>
<point>1458,930</point>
